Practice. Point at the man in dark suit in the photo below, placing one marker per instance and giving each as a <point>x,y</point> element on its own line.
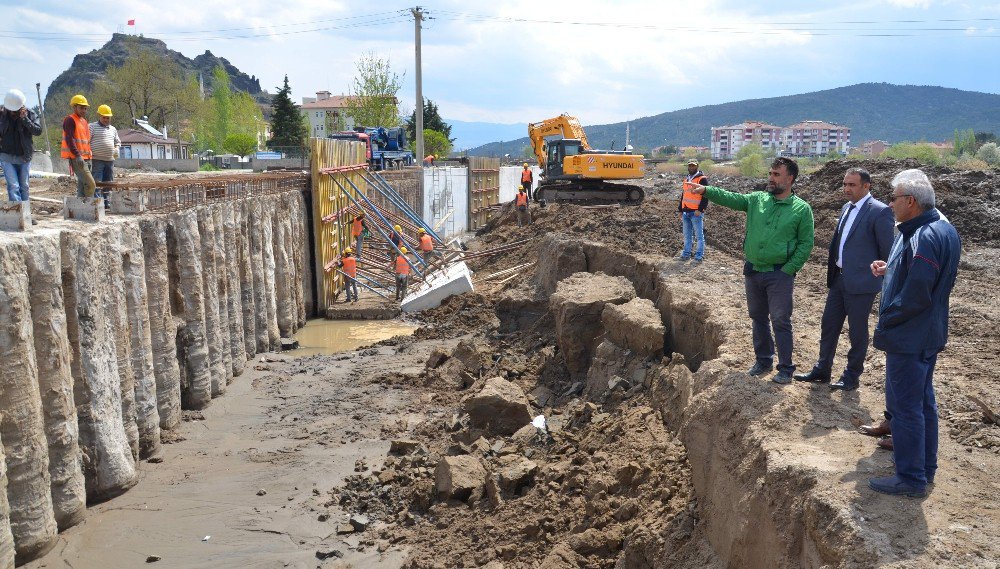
<point>864,234</point>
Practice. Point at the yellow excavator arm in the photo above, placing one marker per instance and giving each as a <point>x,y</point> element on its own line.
<point>564,125</point>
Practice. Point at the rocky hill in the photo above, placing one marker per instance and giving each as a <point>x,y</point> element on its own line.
<point>88,67</point>
<point>872,110</point>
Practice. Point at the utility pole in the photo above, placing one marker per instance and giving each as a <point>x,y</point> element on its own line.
<point>41,112</point>
<point>418,17</point>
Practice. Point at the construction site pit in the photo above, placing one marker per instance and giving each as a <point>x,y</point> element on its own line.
<point>591,412</point>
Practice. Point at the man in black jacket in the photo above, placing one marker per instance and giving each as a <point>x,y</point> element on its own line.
<point>17,126</point>
<point>863,234</point>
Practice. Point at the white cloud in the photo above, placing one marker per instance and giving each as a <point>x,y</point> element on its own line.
<point>19,52</point>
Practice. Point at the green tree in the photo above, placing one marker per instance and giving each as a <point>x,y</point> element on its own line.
<point>372,100</point>
<point>989,153</point>
<point>432,121</point>
<point>287,125</point>
<point>225,113</point>
<point>984,137</point>
<point>436,143</point>
<point>750,158</point>
<point>964,142</point>
<point>922,152</point>
<point>240,143</point>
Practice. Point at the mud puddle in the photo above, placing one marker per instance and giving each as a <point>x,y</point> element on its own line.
<point>321,337</point>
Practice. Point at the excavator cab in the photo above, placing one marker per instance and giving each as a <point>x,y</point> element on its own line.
<point>558,150</point>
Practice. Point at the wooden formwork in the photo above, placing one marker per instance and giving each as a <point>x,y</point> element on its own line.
<point>331,215</point>
<point>484,189</point>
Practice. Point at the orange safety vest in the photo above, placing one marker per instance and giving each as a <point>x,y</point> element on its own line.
<point>525,175</point>
<point>81,137</point>
<point>350,266</point>
<point>356,230</point>
<point>690,200</point>
<point>426,244</point>
<point>402,265</point>
<point>522,199</point>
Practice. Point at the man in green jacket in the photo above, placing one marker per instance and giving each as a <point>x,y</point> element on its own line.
<point>779,238</point>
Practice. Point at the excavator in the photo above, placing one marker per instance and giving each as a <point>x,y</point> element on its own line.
<point>574,172</point>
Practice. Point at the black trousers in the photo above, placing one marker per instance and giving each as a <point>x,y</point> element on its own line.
<point>854,308</point>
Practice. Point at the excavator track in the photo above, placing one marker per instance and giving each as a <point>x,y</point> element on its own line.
<point>590,194</point>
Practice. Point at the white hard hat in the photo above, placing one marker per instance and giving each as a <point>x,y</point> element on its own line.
<point>14,100</point>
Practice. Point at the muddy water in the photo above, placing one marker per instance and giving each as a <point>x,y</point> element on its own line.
<point>332,336</point>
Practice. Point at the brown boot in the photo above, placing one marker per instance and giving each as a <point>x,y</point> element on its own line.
<point>879,430</point>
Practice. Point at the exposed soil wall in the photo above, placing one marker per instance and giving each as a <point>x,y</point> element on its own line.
<point>109,330</point>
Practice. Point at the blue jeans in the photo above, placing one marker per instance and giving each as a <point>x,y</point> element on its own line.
<point>769,302</point>
<point>694,227</point>
<point>909,398</point>
<point>17,180</point>
<point>103,171</point>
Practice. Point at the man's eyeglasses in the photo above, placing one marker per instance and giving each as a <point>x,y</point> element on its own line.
<point>894,198</point>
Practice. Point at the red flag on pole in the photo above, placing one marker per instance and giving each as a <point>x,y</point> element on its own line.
<point>131,22</point>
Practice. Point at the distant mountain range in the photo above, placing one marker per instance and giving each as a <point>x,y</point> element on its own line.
<point>89,67</point>
<point>472,134</point>
<point>873,111</point>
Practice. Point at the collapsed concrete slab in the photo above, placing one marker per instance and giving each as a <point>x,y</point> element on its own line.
<point>454,279</point>
<point>15,216</point>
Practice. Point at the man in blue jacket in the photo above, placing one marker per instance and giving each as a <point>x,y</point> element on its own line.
<point>863,235</point>
<point>913,327</point>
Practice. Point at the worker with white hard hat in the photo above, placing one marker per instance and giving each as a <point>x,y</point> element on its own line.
<point>17,125</point>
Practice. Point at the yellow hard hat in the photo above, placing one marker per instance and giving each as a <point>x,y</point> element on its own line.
<point>421,230</point>
<point>348,250</point>
<point>525,164</point>
<point>397,228</point>
<point>403,250</point>
<point>104,111</point>
<point>79,100</point>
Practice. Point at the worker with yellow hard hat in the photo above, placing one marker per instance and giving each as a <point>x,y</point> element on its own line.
<point>401,267</point>
<point>349,266</point>
<point>527,179</point>
<point>431,256</point>
<point>104,145</point>
<point>75,146</point>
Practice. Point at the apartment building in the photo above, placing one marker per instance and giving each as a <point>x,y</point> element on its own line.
<point>806,138</point>
<point>326,113</point>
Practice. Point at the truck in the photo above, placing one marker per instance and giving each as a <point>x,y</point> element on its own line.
<point>386,147</point>
<point>574,172</point>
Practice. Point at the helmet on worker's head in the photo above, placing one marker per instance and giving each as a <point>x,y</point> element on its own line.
<point>14,100</point>
<point>692,162</point>
<point>525,164</point>
<point>348,250</point>
<point>104,111</point>
<point>79,100</point>
<point>421,230</point>
<point>403,250</point>
<point>397,228</point>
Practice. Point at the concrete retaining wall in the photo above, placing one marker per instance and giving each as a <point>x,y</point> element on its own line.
<point>446,190</point>
<point>260,165</point>
<point>510,181</point>
<point>109,330</point>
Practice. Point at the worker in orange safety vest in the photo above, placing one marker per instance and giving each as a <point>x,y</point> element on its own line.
<point>75,146</point>
<point>527,178</point>
<point>521,204</point>
<point>401,266</point>
<point>349,263</point>
<point>427,249</point>
<point>692,208</point>
<point>358,228</point>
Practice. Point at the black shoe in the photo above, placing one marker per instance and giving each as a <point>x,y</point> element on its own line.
<point>813,377</point>
<point>782,377</point>
<point>759,369</point>
<point>844,384</point>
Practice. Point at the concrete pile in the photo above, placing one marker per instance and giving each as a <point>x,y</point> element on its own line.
<point>109,330</point>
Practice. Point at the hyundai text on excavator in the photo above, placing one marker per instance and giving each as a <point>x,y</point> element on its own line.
<point>574,172</point>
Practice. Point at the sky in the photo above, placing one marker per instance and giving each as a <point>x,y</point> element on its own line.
<point>518,61</point>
